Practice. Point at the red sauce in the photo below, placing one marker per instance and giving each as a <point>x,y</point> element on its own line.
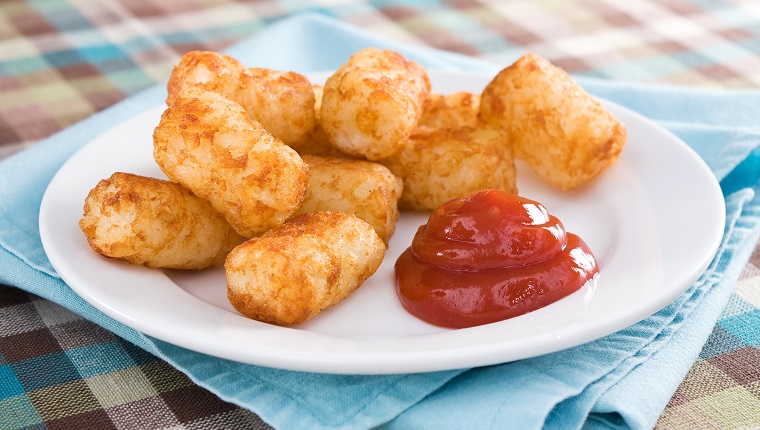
<point>488,257</point>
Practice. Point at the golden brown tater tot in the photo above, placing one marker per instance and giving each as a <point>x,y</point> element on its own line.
<point>283,102</point>
<point>155,223</point>
<point>317,143</point>
<point>208,143</point>
<point>291,273</point>
<point>207,70</point>
<point>450,111</point>
<point>561,131</point>
<point>438,165</point>
<point>372,103</point>
<point>363,188</point>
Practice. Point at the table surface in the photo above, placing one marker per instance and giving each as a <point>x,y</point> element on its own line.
<point>61,61</point>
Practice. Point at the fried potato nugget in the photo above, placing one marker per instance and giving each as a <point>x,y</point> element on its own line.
<point>450,111</point>
<point>372,103</point>
<point>207,70</point>
<point>208,143</point>
<point>317,143</point>
<point>155,223</point>
<point>363,188</point>
<point>441,164</point>
<point>291,273</point>
<point>561,131</point>
<point>283,102</point>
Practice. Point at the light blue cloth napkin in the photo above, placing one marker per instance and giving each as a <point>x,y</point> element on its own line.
<point>620,381</point>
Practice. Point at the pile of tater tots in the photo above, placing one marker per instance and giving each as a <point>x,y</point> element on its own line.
<point>296,188</point>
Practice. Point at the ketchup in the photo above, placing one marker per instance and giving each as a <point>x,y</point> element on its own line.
<point>488,257</point>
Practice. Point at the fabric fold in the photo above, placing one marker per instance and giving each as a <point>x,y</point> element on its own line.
<point>599,384</point>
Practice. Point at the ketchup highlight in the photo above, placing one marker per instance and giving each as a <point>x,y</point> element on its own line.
<point>488,257</point>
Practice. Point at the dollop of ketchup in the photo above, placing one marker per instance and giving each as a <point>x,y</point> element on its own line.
<point>488,257</point>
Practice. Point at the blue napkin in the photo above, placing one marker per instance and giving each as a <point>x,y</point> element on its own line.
<point>621,381</point>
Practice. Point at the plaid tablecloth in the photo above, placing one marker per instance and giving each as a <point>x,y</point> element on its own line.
<point>63,61</point>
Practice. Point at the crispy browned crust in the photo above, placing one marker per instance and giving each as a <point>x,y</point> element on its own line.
<point>283,102</point>
<point>207,70</point>
<point>316,142</point>
<point>363,188</point>
<point>155,223</point>
<point>450,111</point>
<point>291,273</point>
<point>440,164</point>
<point>561,131</point>
<point>208,143</point>
<point>372,103</point>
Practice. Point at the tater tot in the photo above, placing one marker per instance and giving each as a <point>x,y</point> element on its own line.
<point>438,165</point>
<point>316,143</point>
<point>561,131</point>
<point>372,103</point>
<point>363,188</point>
<point>450,111</point>
<point>208,143</point>
<point>283,102</point>
<point>291,273</point>
<point>207,70</point>
<point>319,92</point>
<point>155,223</point>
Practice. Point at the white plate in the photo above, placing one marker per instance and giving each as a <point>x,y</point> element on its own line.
<point>654,221</point>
